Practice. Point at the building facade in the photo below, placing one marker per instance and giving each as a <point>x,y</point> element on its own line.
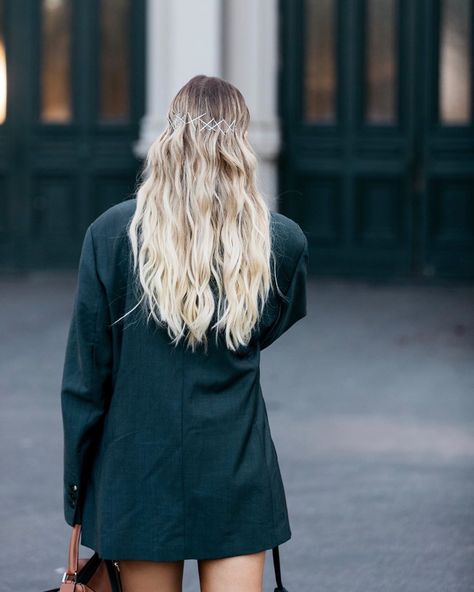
<point>362,118</point>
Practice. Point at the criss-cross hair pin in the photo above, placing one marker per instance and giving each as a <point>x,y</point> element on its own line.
<point>200,123</point>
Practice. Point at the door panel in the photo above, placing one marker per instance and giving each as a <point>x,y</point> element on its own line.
<point>73,117</point>
<point>114,49</point>
<point>320,61</point>
<point>55,61</point>
<point>366,168</point>
<point>447,152</point>
<point>380,36</point>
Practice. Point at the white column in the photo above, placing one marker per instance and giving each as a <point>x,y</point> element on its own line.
<point>251,63</point>
<point>183,40</point>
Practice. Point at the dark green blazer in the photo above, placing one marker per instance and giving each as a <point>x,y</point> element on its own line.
<point>168,454</point>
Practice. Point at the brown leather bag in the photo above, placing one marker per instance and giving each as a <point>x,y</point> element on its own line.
<point>88,574</point>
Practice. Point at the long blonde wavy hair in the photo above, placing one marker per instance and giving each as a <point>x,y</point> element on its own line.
<point>200,220</point>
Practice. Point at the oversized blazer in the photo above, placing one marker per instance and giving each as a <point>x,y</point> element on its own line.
<point>168,454</point>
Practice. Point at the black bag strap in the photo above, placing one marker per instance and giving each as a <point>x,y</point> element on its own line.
<point>276,565</point>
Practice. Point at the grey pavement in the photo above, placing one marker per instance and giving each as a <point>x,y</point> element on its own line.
<point>371,408</point>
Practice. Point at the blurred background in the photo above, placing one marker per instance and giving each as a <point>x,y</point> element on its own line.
<point>362,119</point>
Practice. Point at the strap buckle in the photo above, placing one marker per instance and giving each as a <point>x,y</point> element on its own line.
<point>67,575</point>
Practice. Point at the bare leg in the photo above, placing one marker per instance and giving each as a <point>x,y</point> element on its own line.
<point>242,573</point>
<point>151,576</point>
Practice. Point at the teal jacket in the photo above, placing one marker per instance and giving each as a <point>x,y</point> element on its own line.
<point>168,454</point>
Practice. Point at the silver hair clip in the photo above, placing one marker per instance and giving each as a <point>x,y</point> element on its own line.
<point>213,124</point>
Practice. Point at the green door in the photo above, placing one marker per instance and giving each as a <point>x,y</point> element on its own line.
<point>72,78</point>
<point>377,114</point>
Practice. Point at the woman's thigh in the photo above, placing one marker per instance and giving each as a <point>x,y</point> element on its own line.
<point>242,573</point>
<point>151,576</point>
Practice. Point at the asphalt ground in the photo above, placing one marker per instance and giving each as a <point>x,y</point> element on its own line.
<point>371,408</point>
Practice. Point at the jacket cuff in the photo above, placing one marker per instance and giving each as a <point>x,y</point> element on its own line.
<point>72,513</point>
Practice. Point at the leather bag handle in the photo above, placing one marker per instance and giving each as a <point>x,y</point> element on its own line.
<point>70,574</point>
<point>276,565</point>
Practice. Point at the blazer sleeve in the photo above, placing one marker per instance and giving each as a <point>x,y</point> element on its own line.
<point>86,380</point>
<point>292,306</point>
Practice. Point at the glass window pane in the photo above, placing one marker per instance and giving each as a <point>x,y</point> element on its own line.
<point>455,61</point>
<point>320,61</point>
<point>56,105</point>
<point>3,66</point>
<point>381,61</point>
<point>115,59</point>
